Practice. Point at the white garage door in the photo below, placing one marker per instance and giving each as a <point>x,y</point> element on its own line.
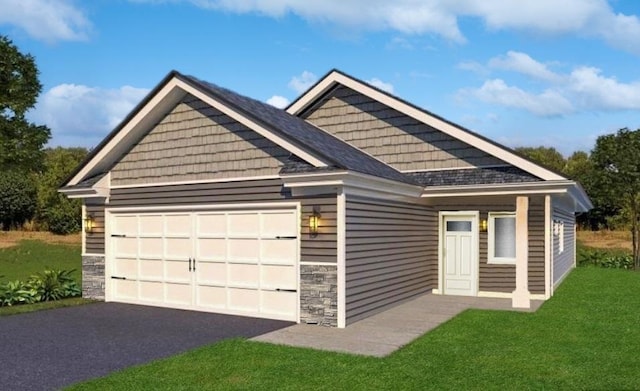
<point>236,262</point>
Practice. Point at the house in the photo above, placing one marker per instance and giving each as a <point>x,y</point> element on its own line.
<point>346,203</point>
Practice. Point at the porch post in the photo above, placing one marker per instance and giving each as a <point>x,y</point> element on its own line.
<point>521,297</point>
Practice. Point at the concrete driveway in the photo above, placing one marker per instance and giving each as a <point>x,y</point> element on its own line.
<point>55,348</point>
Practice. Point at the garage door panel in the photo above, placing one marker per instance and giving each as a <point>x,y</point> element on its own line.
<point>214,273</point>
<point>178,224</point>
<point>125,267</point>
<point>281,251</point>
<point>125,247</point>
<point>151,225</point>
<point>179,294</point>
<point>245,250</point>
<point>212,297</point>
<point>152,269</point>
<point>126,289</point>
<point>177,248</point>
<point>177,270</point>
<point>125,225</point>
<point>243,275</point>
<point>214,224</point>
<point>151,248</point>
<point>279,303</point>
<point>244,299</point>
<point>212,249</point>
<point>279,224</point>
<point>151,291</point>
<point>243,224</point>
<point>278,277</point>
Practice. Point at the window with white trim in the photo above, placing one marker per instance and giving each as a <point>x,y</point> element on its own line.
<point>502,238</point>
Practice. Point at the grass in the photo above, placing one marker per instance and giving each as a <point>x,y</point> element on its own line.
<point>30,256</point>
<point>586,337</point>
<point>616,240</point>
<point>47,305</point>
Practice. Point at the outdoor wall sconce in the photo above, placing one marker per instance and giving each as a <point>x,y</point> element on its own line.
<point>89,224</point>
<point>483,225</point>
<point>314,222</point>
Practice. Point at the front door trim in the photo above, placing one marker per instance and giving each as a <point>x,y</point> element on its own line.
<point>474,216</point>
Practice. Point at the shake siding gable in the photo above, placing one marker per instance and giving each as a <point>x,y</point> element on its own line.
<point>391,254</point>
<point>395,138</point>
<point>197,142</point>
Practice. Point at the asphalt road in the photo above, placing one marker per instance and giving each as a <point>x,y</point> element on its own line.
<point>55,348</point>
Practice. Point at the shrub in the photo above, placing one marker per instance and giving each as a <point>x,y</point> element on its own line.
<point>64,218</point>
<point>17,292</point>
<point>612,259</point>
<point>18,198</point>
<point>54,284</point>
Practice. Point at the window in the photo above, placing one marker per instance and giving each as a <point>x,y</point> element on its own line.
<point>502,238</point>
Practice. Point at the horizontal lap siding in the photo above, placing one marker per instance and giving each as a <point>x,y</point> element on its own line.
<point>391,254</point>
<point>321,248</point>
<point>502,278</point>
<point>94,241</point>
<point>395,138</point>
<point>563,262</point>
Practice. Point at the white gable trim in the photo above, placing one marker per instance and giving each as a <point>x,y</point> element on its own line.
<point>158,106</point>
<point>454,131</point>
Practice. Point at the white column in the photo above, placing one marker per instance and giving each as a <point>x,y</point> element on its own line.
<point>521,296</point>
<point>341,261</point>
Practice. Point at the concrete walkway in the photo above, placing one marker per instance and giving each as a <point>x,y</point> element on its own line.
<point>386,332</point>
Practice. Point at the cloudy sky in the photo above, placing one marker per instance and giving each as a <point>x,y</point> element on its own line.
<point>537,72</point>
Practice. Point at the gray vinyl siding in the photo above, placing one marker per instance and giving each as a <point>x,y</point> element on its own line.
<point>563,261</point>
<point>391,254</point>
<point>395,138</point>
<point>197,142</point>
<point>321,248</point>
<point>502,278</point>
<point>94,242</point>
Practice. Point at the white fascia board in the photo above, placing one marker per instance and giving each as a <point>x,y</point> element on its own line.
<point>151,113</point>
<point>365,184</point>
<point>437,123</point>
<point>548,187</point>
<point>306,156</point>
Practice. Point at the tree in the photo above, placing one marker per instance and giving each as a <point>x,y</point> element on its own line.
<point>547,156</point>
<point>21,142</point>
<point>17,198</point>
<point>617,167</point>
<point>57,213</point>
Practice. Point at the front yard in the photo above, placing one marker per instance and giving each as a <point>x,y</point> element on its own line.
<point>586,337</point>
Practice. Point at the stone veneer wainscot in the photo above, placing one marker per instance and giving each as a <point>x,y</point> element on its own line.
<point>319,295</point>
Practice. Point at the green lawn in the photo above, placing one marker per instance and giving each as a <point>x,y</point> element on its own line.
<point>586,337</point>
<point>33,256</point>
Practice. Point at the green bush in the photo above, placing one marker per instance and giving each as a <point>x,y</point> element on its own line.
<point>54,284</point>
<point>63,218</point>
<point>47,286</point>
<point>611,259</point>
<point>17,292</point>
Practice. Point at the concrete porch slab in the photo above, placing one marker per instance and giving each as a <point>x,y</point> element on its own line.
<point>386,332</point>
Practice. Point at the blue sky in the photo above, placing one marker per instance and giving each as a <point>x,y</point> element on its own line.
<point>524,73</point>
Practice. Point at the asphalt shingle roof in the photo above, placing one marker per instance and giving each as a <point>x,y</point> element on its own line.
<point>473,176</point>
<point>331,149</point>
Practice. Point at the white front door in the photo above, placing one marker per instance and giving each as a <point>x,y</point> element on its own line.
<point>459,255</point>
<point>238,262</point>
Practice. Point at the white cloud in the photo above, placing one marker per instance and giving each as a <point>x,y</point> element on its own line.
<point>301,83</point>
<point>583,89</point>
<point>588,18</point>
<point>523,63</point>
<point>547,103</point>
<point>278,101</point>
<point>84,113</point>
<point>388,87</point>
<point>46,20</point>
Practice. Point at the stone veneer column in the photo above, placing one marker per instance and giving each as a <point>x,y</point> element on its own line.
<point>318,295</point>
<point>93,277</point>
